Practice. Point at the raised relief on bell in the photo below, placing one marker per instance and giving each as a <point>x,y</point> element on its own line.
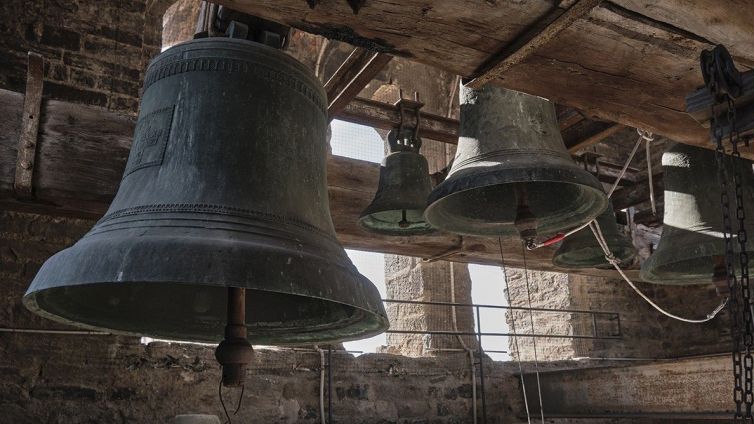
<point>150,140</point>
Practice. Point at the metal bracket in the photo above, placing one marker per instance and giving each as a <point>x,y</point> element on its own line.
<point>722,79</point>
<point>406,136</point>
<point>26,150</point>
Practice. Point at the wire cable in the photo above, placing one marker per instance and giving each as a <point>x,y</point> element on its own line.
<point>513,330</point>
<point>533,339</point>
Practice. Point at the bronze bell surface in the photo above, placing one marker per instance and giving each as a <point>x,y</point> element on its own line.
<point>581,249</point>
<point>398,205</point>
<point>511,171</point>
<point>225,187</point>
<point>691,245</point>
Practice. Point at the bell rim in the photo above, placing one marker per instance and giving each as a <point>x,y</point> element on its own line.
<point>471,179</point>
<point>626,252</point>
<point>372,309</point>
<point>367,217</point>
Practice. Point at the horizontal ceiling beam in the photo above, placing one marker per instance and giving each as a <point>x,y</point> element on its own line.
<point>83,151</point>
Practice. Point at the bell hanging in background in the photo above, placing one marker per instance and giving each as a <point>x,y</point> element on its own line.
<point>581,250</point>
<point>691,245</point>
<point>511,171</point>
<point>398,205</point>
<point>222,210</point>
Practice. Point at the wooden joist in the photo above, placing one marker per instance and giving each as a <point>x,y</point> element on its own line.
<point>83,150</point>
<point>526,44</point>
<point>632,64</point>
<point>360,67</point>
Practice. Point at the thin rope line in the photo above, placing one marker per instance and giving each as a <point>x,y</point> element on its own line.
<point>513,329</point>
<point>534,339</point>
<point>597,231</point>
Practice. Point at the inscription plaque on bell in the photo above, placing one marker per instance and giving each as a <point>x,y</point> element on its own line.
<point>150,140</point>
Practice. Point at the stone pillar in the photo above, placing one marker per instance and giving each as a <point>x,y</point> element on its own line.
<point>547,290</point>
<point>408,278</point>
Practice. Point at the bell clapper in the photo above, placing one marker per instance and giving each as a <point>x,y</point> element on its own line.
<point>525,222</point>
<point>403,222</point>
<point>234,352</point>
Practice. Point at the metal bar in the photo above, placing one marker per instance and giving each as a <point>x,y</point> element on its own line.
<point>27,142</point>
<point>520,308</point>
<point>526,44</point>
<point>329,384</point>
<point>466,333</point>
<point>46,331</point>
<point>481,364</point>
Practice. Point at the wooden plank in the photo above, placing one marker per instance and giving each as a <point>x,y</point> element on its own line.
<point>511,57</point>
<point>385,116</point>
<point>594,138</point>
<point>638,192</point>
<point>693,388</point>
<point>83,151</point>
<point>27,141</point>
<point>610,65</point>
<point>360,67</point>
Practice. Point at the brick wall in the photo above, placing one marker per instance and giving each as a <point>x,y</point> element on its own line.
<point>95,52</point>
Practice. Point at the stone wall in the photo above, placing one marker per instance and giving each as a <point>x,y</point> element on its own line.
<point>95,52</point>
<point>645,332</point>
<point>71,378</point>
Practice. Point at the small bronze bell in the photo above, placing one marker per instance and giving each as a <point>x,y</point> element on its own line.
<point>398,205</point>
<point>581,250</point>
<point>222,215</point>
<point>691,245</point>
<point>511,171</point>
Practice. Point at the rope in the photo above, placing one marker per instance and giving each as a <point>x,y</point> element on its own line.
<point>597,231</point>
<point>513,330</point>
<point>460,339</point>
<point>534,339</point>
<point>649,174</point>
<point>643,135</point>
<point>321,384</point>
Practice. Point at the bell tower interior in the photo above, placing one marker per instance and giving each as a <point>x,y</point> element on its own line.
<point>363,212</point>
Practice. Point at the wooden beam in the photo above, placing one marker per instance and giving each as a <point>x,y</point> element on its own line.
<point>689,389</point>
<point>526,44</point>
<point>386,116</point>
<point>638,192</point>
<point>83,151</point>
<point>27,141</point>
<point>360,67</point>
<point>596,138</point>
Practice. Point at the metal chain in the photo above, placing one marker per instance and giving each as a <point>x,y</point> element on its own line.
<point>743,258</point>
<point>740,309</point>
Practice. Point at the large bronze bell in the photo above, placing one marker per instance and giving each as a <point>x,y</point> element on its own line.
<point>511,166</point>
<point>398,205</point>
<point>691,245</point>
<point>225,186</point>
<point>581,250</point>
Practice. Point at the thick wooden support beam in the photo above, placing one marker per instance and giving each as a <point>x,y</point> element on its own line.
<point>386,116</point>
<point>360,67</point>
<point>27,141</point>
<point>528,43</point>
<point>83,151</point>
<point>596,138</point>
<point>690,389</point>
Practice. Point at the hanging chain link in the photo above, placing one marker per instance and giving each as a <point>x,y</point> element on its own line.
<point>740,308</point>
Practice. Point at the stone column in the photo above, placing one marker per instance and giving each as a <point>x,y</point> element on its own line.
<point>409,278</point>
